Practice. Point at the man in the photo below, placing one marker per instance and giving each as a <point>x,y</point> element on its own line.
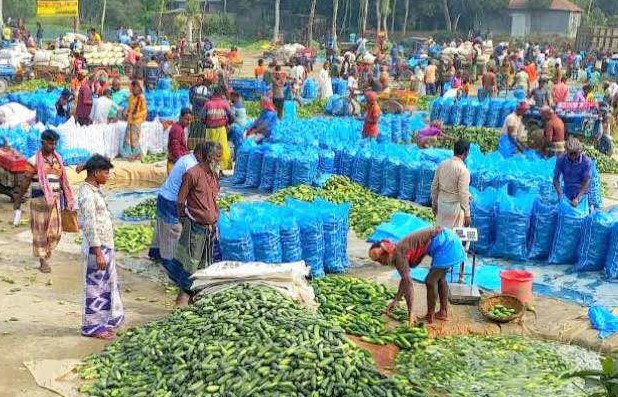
<point>560,92</point>
<point>430,78</point>
<point>218,117</point>
<point>521,80</point>
<point>198,214</point>
<point>513,131</point>
<point>259,70</point>
<point>575,168</point>
<point>450,190</point>
<point>263,127</point>
<point>554,133</point>
<point>279,82</point>
<point>103,108</point>
<point>372,118</point>
<point>168,228</point>
<point>84,99</point>
<point>63,104</point>
<point>103,311</point>
<point>489,82</point>
<point>541,95</point>
<point>446,251</point>
<point>177,142</point>
<point>198,96</point>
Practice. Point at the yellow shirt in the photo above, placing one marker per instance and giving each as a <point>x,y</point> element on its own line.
<point>430,74</point>
<point>96,38</point>
<point>137,110</point>
<point>7,33</point>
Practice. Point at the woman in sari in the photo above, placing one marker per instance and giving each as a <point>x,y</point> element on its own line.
<point>136,114</point>
<point>103,311</point>
<point>50,193</point>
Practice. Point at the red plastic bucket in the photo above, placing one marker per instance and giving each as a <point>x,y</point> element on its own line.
<point>517,283</point>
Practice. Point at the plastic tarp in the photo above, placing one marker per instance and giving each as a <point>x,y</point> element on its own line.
<point>603,320</point>
<point>399,226</point>
<point>611,261</point>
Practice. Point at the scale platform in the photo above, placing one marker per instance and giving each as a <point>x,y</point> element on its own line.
<point>463,294</point>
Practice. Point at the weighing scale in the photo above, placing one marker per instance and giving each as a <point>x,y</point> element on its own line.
<point>460,293</point>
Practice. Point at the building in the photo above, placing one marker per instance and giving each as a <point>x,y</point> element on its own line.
<point>562,18</point>
<point>207,5</point>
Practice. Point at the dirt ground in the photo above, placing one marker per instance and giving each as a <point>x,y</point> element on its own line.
<point>40,315</point>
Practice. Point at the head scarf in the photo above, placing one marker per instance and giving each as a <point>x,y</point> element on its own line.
<point>371,96</point>
<point>523,107</point>
<point>267,104</point>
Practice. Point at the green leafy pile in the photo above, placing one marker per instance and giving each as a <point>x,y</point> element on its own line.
<point>488,366</point>
<point>486,138</point>
<point>145,210</point>
<point>368,209</point>
<point>424,102</point>
<point>154,158</point>
<point>133,238</point>
<point>225,202</point>
<point>605,163</point>
<point>306,111</point>
<point>243,341</point>
<point>30,85</point>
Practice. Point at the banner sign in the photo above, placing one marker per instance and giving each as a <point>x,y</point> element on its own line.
<point>57,8</point>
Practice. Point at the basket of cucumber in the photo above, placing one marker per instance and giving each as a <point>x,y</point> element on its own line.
<point>501,308</point>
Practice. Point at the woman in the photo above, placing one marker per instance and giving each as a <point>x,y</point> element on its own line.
<point>445,250</point>
<point>263,127</point>
<point>135,114</point>
<point>370,128</point>
<point>325,83</point>
<point>430,135</point>
<point>50,193</point>
<point>218,118</point>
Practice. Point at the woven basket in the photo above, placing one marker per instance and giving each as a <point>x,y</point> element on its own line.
<point>508,301</point>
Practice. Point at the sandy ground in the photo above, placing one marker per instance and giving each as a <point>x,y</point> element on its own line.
<point>40,314</point>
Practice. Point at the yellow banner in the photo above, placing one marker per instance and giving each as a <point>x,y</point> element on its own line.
<point>57,8</point>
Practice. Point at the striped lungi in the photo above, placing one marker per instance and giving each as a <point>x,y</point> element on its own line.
<point>197,134</point>
<point>46,225</point>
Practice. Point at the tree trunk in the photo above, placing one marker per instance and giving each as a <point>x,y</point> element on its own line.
<point>393,14</point>
<point>277,18</point>
<point>447,15</point>
<point>378,17</point>
<point>385,26</point>
<point>405,17</point>
<point>1,15</point>
<point>103,16</point>
<point>161,10</point>
<point>363,10</point>
<point>333,27</point>
<point>311,19</point>
<point>189,29</point>
<point>224,7</point>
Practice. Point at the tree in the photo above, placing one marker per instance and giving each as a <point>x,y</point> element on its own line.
<point>393,14</point>
<point>103,15</point>
<point>447,15</point>
<point>364,7</point>
<point>277,21</point>
<point>405,16</point>
<point>385,9</point>
<point>192,12</point>
<point>378,17</point>
<point>311,20</point>
<point>333,28</point>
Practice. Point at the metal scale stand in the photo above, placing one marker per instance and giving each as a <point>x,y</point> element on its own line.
<point>464,294</point>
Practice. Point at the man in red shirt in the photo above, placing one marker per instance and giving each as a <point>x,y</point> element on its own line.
<point>177,142</point>
<point>84,99</point>
<point>217,120</point>
<point>560,93</point>
<point>370,129</point>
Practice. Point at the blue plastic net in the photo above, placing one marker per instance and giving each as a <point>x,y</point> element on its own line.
<point>327,162</point>
<point>611,262</point>
<point>543,228</point>
<point>483,211</point>
<point>235,240</point>
<point>291,248</point>
<point>266,240</point>
<point>568,233</point>
<point>408,181</point>
<point>512,226</point>
<point>283,173</point>
<point>305,168</point>
<point>391,177</point>
<point>376,174</point>
<point>423,192</point>
<point>595,238</point>
<point>254,168</point>
<point>269,163</point>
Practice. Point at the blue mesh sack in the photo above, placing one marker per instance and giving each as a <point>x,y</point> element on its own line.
<point>390,177</point>
<point>568,232</point>
<point>376,171</point>
<point>611,262</point>
<point>457,112</point>
<point>240,168</point>
<point>348,158</point>
<point>235,240</point>
<point>311,235</point>
<point>595,198</point>
<point>596,235</point>
<point>269,165</point>
<point>283,172</point>
<point>543,227</point>
<point>472,113</point>
<point>333,218</point>
<point>436,109</point>
<point>338,165</point>
<point>254,168</point>
<point>408,180</point>
<point>305,168</point>
<point>423,192</point>
<point>326,163</point>
<point>266,240</point>
<point>512,226</point>
<point>483,213</point>
<point>447,111</point>
<point>362,164</point>
<point>291,248</point>
<point>481,115</point>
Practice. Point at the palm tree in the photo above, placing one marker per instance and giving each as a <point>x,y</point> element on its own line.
<point>393,15</point>
<point>405,17</point>
<point>277,21</point>
<point>333,28</point>
<point>385,9</point>
<point>311,19</point>
<point>364,7</point>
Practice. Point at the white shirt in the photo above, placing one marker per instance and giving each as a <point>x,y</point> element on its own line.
<point>298,72</point>
<point>130,33</point>
<point>514,120</point>
<point>100,110</point>
<point>352,83</point>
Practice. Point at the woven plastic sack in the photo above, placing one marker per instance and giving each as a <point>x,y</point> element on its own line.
<point>362,165</point>
<point>311,235</point>
<point>483,213</point>
<point>333,218</point>
<point>408,181</point>
<point>436,109</point>
<point>326,163</point>
<point>595,239</point>
<point>568,232</point>
<point>481,116</point>
<point>543,227</point>
<point>283,173</point>
<point>235,240</point>
<point>348,158</point>
<point>611,262</point>
<point>266,240</point>
<point>269,165</point>
<point>240,168</point>
<point>291,248</point>
<point>512,226</point>
<point>305,168</point>
<point>399,226</point>
<point>595,197</point>
<point>254,168</point>
<point>391,177</point>
<point>423,192</point>
<point>376,171</point>
<point>338,163</point>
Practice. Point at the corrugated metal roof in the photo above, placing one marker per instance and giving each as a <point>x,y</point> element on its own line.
<point>556,5</point>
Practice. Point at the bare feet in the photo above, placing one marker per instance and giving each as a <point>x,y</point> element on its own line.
<point>442,315</point>
<point>429,318</point>
<point>182,300</point>
<point>44,266</point>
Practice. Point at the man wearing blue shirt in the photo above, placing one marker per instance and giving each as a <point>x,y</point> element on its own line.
<point>575,168</point>
<point>168,227</point>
